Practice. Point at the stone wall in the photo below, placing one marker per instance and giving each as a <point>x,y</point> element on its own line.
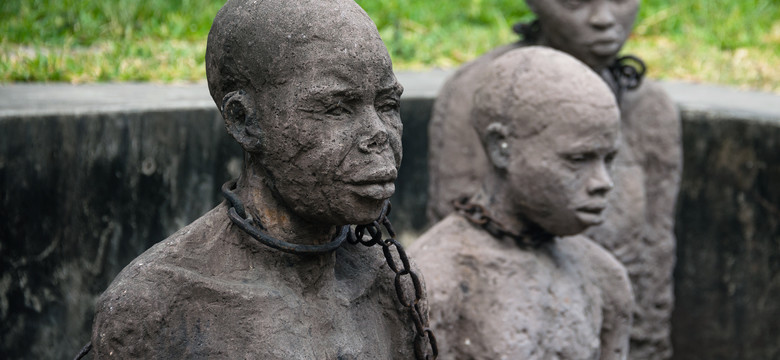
<point>727,279</point>
<point>91,177</point>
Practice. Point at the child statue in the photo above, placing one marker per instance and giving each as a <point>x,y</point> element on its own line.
<point>638,226</point>
<point>306,87</point>
<point>509,275</point>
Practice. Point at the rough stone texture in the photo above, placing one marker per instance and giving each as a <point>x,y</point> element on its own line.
<point>307,90</point>
<point>727,280</point>
<point>160,114</point>
<point>549,152</point>
<point>639,225</point>
<point>211,291</point>
<point>490,299</point>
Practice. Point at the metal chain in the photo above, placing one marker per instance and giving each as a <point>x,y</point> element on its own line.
<point>84,351</point>
<point>532,236</point>
<point>238,215</point>
<point>627,76</point>
<point>374,237</point>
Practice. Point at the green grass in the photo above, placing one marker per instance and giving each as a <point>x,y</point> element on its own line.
<point>734,42</point>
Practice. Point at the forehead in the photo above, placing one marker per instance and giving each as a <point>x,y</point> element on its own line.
<point>335,64</point>
<point>569,119</point>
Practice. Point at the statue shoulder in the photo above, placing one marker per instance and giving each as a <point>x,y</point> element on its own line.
<point>651,104</point>
<point>604,268</point>
<point>445,239</point>
<point>445,254</point>
<point>129,313</point>
<point>462,84</point>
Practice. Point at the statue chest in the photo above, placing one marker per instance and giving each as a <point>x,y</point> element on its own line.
<point>533,309</point>
<point>282,323</point>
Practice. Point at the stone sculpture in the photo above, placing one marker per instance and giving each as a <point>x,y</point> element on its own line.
<point>307,89</point>
<point>508,276</point>
<point>639,222</point>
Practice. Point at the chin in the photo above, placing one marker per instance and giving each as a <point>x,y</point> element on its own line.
<point>569,229</point>
<point>362,211</point>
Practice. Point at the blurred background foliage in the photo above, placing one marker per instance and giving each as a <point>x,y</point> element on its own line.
<point>734,42</point>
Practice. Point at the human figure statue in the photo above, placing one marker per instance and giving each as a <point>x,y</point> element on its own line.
<point>638,226</point>
<point>306,87</point>
<point>509,276</point>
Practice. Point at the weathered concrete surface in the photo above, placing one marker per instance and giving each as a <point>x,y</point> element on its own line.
<point>82,195</point>
<point>64,193</point>
<point>727,279</point>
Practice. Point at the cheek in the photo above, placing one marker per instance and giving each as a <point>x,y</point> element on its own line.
<point>626,16</point>
<point>397,148</point>
<point>566,184</point>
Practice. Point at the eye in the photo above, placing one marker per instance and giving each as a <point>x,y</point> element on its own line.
<point>579,158</point>
<point>610,157</point>
<point>337,109</point>
<point>572,3</point>
<point>390,105</point>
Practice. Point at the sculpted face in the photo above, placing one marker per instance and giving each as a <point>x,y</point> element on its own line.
<point>307,89</point>
<point>593,31</point>
<point>560,177</point>
<point>333,130</point>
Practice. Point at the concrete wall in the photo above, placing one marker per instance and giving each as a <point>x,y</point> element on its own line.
<point>93,175</point>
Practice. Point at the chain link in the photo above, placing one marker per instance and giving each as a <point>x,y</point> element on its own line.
<point>245,222</point>
<point>627,76</point>
<point>532,236</point>
<point>238,216</point>
<point>410,301</point>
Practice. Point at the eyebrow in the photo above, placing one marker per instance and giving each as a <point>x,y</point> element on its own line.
<point>394,89</point>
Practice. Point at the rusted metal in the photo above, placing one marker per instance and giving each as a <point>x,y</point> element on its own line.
<point>374,232</point>
<point>84,351</point>
<point>628,72</point>
<point>531,236</point>
<point>247,224</point>
<point>240,218</point>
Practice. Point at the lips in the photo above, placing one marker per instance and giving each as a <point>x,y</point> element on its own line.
<point>606,47</point>
<point>378,184</point>
<point>591,214</point>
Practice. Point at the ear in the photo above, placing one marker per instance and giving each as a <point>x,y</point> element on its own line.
<point>241,119</point>
<point>497,145</point>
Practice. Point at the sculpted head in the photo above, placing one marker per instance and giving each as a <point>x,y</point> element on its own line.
<point>593,31</point>
<point>550,127</point>
<point>307,88</point>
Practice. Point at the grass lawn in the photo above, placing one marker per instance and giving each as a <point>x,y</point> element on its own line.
<point>733,42</point>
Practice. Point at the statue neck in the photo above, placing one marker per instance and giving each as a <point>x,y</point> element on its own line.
<point>598,68</point>
<point>498,203</point>
<point>255,189</point>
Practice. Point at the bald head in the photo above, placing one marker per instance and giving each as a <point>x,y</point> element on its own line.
<point>256,43</point>
<point>527,89</point>
<point>550,127</point>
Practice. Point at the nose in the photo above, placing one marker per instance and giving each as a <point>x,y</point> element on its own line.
<point>602,17</point>
<point>600,182</point>
<point>375,139</point>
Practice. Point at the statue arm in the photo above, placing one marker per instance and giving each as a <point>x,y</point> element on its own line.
<point>125,319</point>
<point>444,296</point>
<point>663,163</point>
<point>616,328</point>
<point>618,306</point>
